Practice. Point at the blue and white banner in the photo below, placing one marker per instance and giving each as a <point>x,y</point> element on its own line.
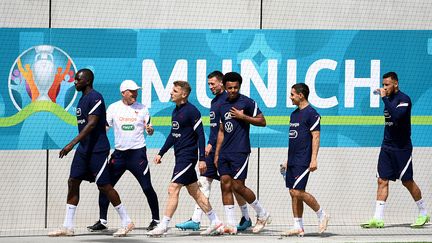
<point>342,68</point>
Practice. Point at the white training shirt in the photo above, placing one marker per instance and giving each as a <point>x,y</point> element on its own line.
<point>129,122</point>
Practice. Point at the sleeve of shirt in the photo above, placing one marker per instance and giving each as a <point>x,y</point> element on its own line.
<point>109,116</point>
<point>97,105</point>
<point>199,130</point>
<point>399,110</point>
<point>314,121</point>
<point>252,108</point>
<point>169,142</point>
<point>214,128</point>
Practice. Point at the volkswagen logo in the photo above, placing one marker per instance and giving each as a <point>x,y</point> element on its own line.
<point>229,127</point>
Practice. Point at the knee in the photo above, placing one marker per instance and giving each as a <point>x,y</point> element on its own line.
<point>172,190</point>
<point>408,183</point>
<point>226,183</point>
<point>295,193</point>
<point>70,182</point>
<point>73,183</point>
<point>226,187</point>
<point>383,182</point>
<point>105,188</point>
<point>238,187</point>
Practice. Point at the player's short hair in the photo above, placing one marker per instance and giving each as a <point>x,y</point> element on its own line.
<point>301,88</point>
<point>87,74</point>
<point>391,75</point>
<point>184,85</point>
<point>232,77</point>
<point>216,74</point>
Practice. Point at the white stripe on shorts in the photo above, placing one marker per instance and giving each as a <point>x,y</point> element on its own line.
<point>242,168</point>
<point>197,124</point>
<point>146,169</point>
<point>405,168</point>
<point>300,178</point>
<point>95,107</point>
<point>101,170</point>
<point>181,172</point>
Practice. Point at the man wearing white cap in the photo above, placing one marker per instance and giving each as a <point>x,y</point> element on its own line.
<point>130,119</point>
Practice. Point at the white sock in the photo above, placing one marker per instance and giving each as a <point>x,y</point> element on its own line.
<point>422,207</point>
<point>258,208</point>
<point>298,223</point>
<point>69,217</point>
<point>320,214</point>
<point>124,217</point>
<point>165,222</point>
<point>197,214</point>
<point>212,216</point>
<point>379,210</point>
<point>229,213</point>
<point>245,211</point>
<point>103,221</point>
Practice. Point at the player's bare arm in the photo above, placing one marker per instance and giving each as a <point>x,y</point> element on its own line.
<point>220,138</point>
<point>315,147</point>
<point>208,149</point>
<point>91,124</point>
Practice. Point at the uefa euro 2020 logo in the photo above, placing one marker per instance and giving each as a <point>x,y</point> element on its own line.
<point>42,73</point>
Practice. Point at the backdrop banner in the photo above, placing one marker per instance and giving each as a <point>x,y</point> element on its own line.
<point>342,68</point>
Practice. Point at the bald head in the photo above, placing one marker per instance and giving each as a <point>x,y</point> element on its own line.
<point>86,74</point>
<point>84,80</point>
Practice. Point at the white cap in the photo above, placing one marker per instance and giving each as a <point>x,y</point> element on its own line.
<point>128,85</point>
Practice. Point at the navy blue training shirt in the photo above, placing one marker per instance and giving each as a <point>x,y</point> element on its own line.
<point>187,133</point>
<point>236,132</point>
<point>397,113</point>
<point>302,123</point>
<point>92,104</point>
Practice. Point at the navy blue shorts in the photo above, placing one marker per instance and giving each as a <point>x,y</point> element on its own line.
<point>91,167</point>
<point>133,160</point>
<point>297,177</point>
<point>234,164</point>
<point>211,171</point>
<point>395,164</point>
<point>184,171</point>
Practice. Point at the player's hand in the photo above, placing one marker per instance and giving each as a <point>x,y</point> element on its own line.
<point>313,166</point>
<point>382,92</point>
<point>284,166</point>
<point>208,149</point>
<point>157,159</point>
<point>65,150</point>
<point>149,129</point>
<point>238,114</point>
<point>202,167</point>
